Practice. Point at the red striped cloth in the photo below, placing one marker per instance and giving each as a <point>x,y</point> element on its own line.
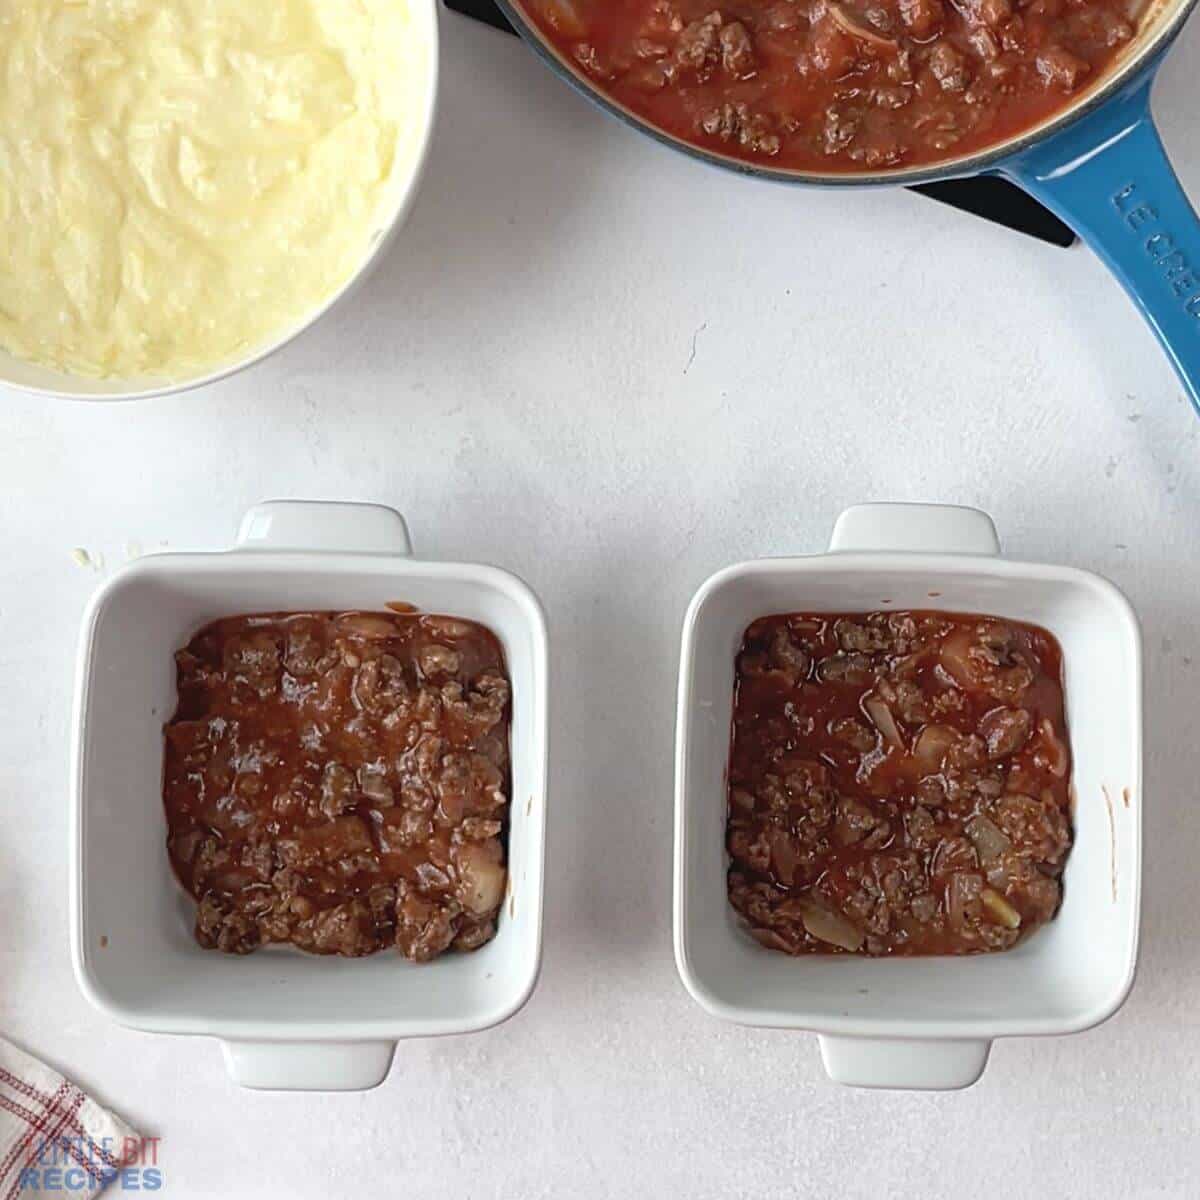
<point>48,1125</point>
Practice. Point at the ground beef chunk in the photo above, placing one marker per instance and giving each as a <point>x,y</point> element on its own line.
<point>1037,826</point>
<point>220,926</point>
<point>1006,731</point>
<point>737,51</point>
<point>1061,69</point>
<point>736,123</point>
<point>847,668</point>
<point>338,790</point>
<point>346,929</point>
<point>424,927</point>
<point>854,733</point>
<point>254,660</point>
<point>949,67</point>
<point>698,50</point>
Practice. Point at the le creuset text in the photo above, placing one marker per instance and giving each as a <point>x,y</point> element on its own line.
<point>1160,247</point>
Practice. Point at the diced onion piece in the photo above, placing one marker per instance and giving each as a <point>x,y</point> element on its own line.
<point>882,719</point>
<point>784,858</point>
<point>1000,908</point>
<point>931,746</point>
<point>860,29</point>
<point>481,878</point>
<point>954,658</point>
<point>988,839</point>
<point>832,927</point>
<point>1058,759</point>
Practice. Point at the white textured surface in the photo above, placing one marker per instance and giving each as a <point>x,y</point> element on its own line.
<point>614,370</point>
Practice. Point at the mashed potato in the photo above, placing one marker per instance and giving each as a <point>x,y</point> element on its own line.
<point>182,179</point>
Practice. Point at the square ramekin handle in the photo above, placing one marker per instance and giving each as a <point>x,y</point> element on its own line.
<point>308,1066</point>
<point>924,528</point>
<point>324,525</point>
<point>904,1063</point>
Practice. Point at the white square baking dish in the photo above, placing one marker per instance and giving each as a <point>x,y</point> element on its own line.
<point>286,1019</point>
<point>920,1022</point>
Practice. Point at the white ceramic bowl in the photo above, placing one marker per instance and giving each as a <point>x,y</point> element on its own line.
<point>421,71</point>
<point>920,1022</point>
<point>286,1019</point>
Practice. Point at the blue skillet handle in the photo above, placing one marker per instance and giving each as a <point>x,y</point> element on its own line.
<point>1108,177</point>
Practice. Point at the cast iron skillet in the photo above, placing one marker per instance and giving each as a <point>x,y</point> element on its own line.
<point>1098,164</point>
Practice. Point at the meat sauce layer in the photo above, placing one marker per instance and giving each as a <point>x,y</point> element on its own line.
<point>898,783</point>
<point>841,85</point>
<point>340,782</point>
